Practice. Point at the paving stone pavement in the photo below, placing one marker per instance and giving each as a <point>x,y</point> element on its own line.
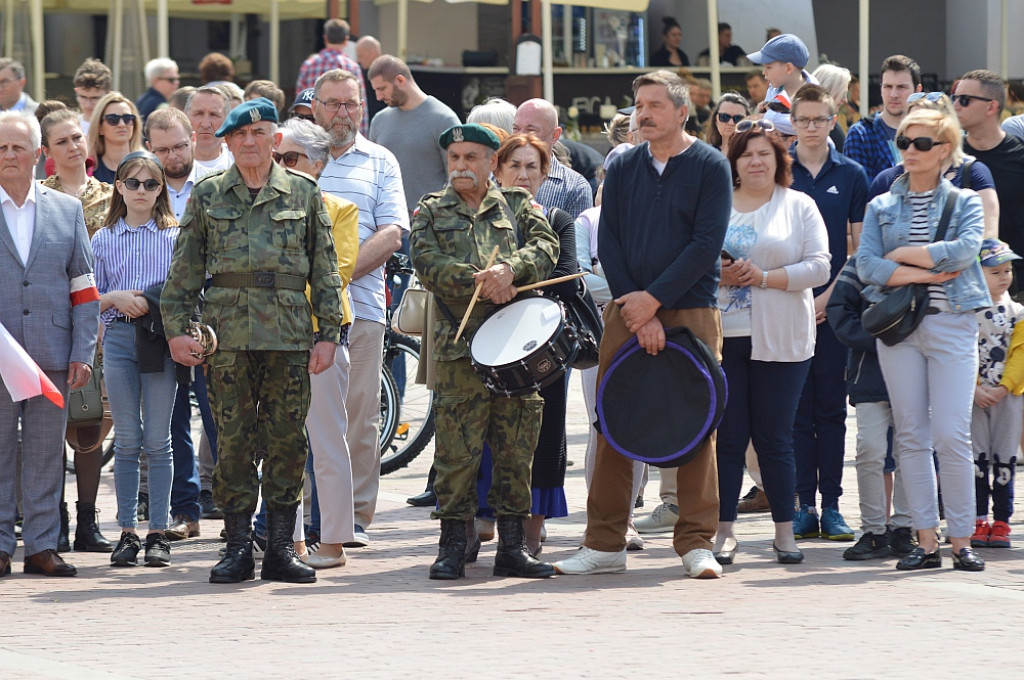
<point>380,617</point>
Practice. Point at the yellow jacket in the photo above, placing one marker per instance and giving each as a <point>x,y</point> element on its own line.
<point>344,217</point>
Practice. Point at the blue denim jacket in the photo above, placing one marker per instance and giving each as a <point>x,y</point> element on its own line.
<point>887,227</point>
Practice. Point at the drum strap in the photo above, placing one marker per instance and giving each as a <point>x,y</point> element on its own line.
<point>511,218</point>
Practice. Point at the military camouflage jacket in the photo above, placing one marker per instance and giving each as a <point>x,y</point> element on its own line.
<point>450,242</point>
<point>286,231</point>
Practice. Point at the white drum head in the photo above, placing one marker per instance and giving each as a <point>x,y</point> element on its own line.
<point>516,331</point>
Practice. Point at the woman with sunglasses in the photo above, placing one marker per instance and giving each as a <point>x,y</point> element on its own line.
<point>775,253</point>
<point>730,110</point>
<point>132,254</point>
<point>965,173</point>
<point>114,131</point>
<point>932,373</point>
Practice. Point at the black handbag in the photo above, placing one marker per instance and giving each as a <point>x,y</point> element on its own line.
<point>903,308</point>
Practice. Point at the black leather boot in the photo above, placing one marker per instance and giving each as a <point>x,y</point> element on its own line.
<point>280,563</point>
<point>87,533</point>
<point>451,551</point>
<point>512,557</point>
<point>472,541</point>
<point>237,565</point>
<point>63,545</point>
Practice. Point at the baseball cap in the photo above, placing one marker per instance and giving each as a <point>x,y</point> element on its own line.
<point>304,98</point>
<point>995,252</point>
<point>785,47</point>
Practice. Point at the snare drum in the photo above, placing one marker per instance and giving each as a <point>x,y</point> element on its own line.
<point>524,346</point>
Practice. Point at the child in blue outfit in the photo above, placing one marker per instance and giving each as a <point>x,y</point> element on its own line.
<point>998,417</point>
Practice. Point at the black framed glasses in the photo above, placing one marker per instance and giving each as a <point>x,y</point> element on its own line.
<point>290,158</point>
<point>747,125</point>
<point>149,185</point>
<point>965,99</point>
<point>726,118</point>
<point>114,118</point>
<point>919,143</point>
<point>333,106</point>
<point>804,123</point>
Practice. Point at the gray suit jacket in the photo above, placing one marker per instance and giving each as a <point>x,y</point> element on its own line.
<point>35,303</point>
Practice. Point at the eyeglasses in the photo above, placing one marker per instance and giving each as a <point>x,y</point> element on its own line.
<point>177,148</point>
<point>305,116</point>
<point>747,125</point>
<point>149,185</point>
<point>804,123</point>
<point>290,158</point>
<point>333,106</point>
<point>927,96</point>
<point>919,143</point>
<point>175,79</point>
<point>113,118</point>
<point>726,118</point>
<point>965,99</point>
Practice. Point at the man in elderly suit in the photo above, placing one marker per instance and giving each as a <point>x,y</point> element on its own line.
<point>50,305</point>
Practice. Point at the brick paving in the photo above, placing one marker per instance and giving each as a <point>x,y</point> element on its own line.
<point>380,617</point>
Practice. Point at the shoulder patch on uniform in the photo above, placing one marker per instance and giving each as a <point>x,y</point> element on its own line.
<point>416,211</point>
<point>536,205</point>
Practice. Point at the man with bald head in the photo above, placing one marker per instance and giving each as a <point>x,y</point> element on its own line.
<point>564,188</point>
<point>367,49</point>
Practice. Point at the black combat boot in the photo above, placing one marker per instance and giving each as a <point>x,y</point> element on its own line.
<point>512,557</point>
<point>237,565</point>
<point>63,545</point>
<point>472,541</point>
<point>280,563</point>
<point>87,534</point>
<point>451,551</point>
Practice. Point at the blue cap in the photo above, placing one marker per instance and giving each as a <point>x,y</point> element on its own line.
<point>304,98</point>
<point>247,113</point>
<point>995,252</point>
<point>785,48</point>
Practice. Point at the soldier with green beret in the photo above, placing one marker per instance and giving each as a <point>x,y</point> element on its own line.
<point>454,232</point>
<point>262,232</point>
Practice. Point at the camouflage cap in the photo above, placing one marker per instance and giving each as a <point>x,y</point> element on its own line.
<point>470,132</point>
<point>247,113</point>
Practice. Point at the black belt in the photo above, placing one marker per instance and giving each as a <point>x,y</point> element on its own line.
<point>125,319</point>
<point>259,280</point>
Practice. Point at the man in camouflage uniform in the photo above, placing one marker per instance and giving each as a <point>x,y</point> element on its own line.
<point>262,232</point>
<point>453,234</point>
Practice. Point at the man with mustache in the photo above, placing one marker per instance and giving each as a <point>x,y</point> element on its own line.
<point>368,175</point>
<point>453,235</point>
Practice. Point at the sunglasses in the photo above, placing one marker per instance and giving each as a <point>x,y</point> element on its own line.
<point>290,158</point>
<point>726,118</point>
<point>149,185</point>
<point>113,119</point>
<point>919,143</point>
<point>965,99</point>
<point>305,116</point>
<point>747,125</point>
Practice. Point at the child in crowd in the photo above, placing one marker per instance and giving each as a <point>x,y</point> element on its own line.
<point>998,419</point>
<point>132,254</point>
<point>783,59</point>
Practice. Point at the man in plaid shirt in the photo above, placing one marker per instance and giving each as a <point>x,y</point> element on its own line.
<point>336,34</point>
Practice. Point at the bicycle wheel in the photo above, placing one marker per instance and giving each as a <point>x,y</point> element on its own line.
<point>415,426</point>
<point>390,408</point>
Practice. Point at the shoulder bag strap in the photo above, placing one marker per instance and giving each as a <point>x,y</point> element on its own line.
<point>511,218</point>
<point>947,212</point>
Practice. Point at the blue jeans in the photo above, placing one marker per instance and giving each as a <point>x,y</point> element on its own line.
<point>185,488</point>
<point>763,397</point>
<point>137,398</point>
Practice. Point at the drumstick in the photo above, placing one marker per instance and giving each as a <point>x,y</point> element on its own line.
<point>560,279</point>
<point>476,294</point>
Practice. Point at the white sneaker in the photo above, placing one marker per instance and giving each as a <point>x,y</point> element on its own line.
<point>663,518</point>
<point>590,561</point>
<point>701,563</point>
<point>633,540</point>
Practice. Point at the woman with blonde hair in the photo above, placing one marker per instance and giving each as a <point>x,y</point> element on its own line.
<point>836,81</point>
<point>114,131</point>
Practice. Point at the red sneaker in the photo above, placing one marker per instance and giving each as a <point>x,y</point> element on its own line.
<point>1000,536</point>
<point>982,534</point>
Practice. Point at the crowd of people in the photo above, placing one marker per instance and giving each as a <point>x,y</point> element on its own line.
<point>767,223</point>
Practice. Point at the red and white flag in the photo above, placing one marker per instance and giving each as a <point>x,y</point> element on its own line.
<point>22,377</point>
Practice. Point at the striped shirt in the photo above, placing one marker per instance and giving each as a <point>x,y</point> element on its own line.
<point>566,190</point>
<point>326,60</point>
<point>368,175</point>
<point>131,258</point>
<point>919,236</point>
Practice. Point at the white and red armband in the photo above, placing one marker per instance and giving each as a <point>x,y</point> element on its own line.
<point>83,289</point>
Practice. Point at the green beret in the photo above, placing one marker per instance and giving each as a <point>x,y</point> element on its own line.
<point>247,113</point>
<point>470,132</point>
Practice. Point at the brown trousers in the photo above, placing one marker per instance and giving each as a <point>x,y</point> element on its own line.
<point>609,502</point>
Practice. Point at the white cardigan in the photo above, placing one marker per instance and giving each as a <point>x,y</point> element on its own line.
<point>794,238</point>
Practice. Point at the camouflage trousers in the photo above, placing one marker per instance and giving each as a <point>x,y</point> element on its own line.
<point>259,400</point>
<point>467,414</point>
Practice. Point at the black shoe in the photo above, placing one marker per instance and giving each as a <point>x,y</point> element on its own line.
<point>902,541</point>
<point>143,509</point>
<point>512,557</point>
<point>126,554</point>
<point>473,542</point>
<point>63,545</point>
<point>869,547</point>
<point>726,556</point>
<point>427,499</point>
<point>919,559</point>
<point>788,556</point>
<point>237,564</point>
<point>968,560</point>
<point>208,508</point>
<point>280,563</point>
<point>158,551</point>
<point>639,502</point>
<point>87,533</point>
<point>451,551</point>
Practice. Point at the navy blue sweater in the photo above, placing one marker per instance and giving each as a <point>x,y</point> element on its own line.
<point>664,234</point>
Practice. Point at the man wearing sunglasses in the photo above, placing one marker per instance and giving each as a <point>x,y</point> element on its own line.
<point>978,102</point>
<point>162,75</point>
